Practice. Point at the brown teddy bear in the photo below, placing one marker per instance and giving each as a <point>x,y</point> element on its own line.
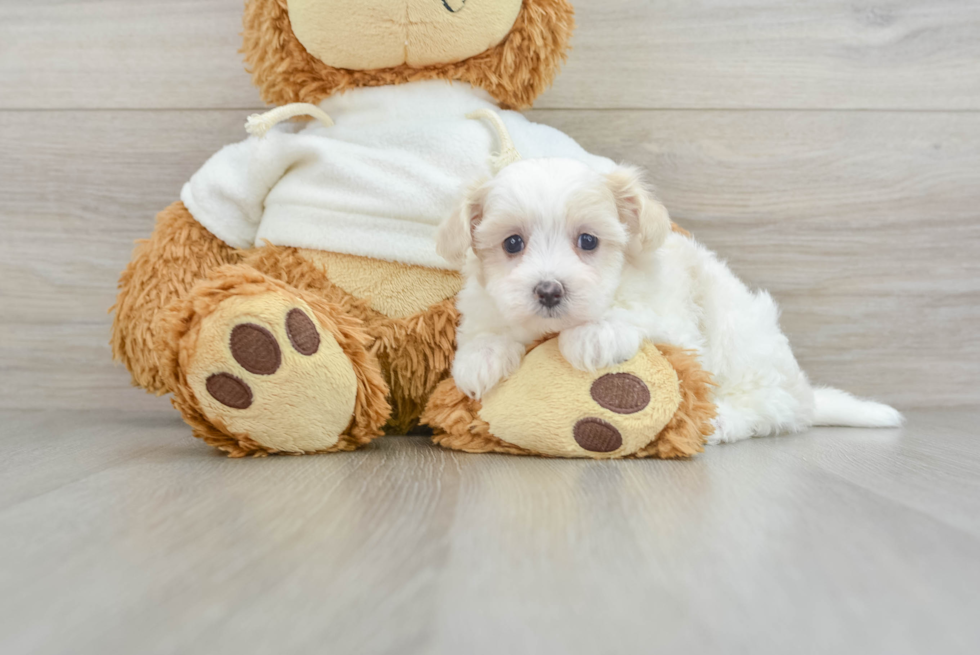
<point>292,301</point>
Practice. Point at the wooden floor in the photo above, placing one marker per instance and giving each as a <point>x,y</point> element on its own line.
<point>121,534</point>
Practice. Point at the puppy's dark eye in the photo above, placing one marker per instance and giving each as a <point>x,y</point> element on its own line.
<point>514,244</point>
<point>588,242</point>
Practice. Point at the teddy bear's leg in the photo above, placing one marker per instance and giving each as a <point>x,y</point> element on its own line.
<point>179,253</point>
<point>655,405</point>
<point>409,313</point>
<point>417,353</point>
<point>257,366</point>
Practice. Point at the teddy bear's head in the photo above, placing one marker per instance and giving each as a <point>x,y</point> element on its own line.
<point>307,50</point>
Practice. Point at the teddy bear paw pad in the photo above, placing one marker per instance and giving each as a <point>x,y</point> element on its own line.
<point>302,332</point>
<point>621,393</point>
<point>255,349</point>
<point>264,369</point>
<point>229,391</point>
<point>597,436</point>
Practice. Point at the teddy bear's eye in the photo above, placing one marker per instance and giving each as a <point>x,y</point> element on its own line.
<point>588,242</point>
<point>513,244</point>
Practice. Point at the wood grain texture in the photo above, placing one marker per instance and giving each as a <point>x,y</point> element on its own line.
<point>74,196</point>
<point>793,54</point>
<point>59,54</point>
<point>909,54</point>
<point>863,225</point>
<point>119,533</point>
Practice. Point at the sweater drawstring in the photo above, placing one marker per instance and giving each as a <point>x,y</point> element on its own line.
<point>258,125</point>
<point>508,151</point>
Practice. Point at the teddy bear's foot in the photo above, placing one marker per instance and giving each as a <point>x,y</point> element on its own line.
<point>655,405</point>
<point>264,369</point>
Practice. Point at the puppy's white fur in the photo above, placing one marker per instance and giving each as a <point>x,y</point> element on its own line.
<point>642,282</point>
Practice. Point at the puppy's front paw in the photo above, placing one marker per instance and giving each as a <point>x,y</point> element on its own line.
<point>481,364</point>
<point>593,346</point>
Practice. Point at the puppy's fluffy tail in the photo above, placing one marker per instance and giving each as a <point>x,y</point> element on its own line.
<point>839,408</point>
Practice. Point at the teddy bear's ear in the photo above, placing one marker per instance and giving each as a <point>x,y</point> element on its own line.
<point>281,67</point>
<point>515,71</point>
<point>455,236</point>
<point>525,64</point>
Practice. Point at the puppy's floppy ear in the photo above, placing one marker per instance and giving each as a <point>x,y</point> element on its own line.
<point>645,217</point>
<point>455,235</point>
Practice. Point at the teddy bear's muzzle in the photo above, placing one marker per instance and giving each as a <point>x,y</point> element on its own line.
<point>359,35</point>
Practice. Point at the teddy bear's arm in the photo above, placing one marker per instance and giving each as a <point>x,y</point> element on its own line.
<point>179,253</point>
<point>227,195</point>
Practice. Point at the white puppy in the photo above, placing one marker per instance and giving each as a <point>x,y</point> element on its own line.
<point>549,246</point>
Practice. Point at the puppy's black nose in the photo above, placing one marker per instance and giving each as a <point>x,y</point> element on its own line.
<point>549,293</point>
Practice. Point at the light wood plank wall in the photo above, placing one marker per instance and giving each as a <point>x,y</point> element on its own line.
<point>830,150</point>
